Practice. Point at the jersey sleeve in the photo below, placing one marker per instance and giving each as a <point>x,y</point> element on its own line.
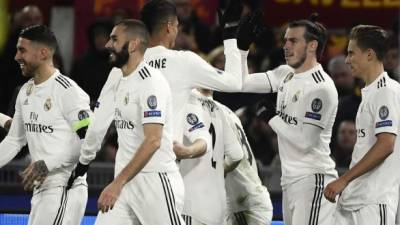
<point>321,106</point>
<point>153,101</point>
<point>267,82</point>
<point>75,106</point>
<point>232,146</point>
<point>195,126</point>
<point>16,137</point>
<point>200,74</point>
<point>101,119</point>
<point>386,112</point>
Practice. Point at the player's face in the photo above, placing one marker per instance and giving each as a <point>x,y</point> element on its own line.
<point>295,47</point>
<point>118,47</point>
<point>27,56</point>
<point>357,59</point>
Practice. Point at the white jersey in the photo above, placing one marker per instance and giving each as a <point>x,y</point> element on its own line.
<point>205,195</point>
<point>184,71</point>
<point>305,98</point>
<point>243,185</point>
<point>51,117</point>
<point>378,112</point>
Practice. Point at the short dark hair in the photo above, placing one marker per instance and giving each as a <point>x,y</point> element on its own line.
<point>371,37</point>
<point>40,34</point>
<point>136,29</point>
<point>157,12</point>
<point>313,31</point>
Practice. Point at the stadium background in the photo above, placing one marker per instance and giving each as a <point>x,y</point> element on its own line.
<point>78,23</point>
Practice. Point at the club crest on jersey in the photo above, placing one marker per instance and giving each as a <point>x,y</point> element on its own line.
<point>288,77</point>
<point>29,89</point>
<point>47,104</point>
<point>192,119</point>
<point>296,96</point>
<point>152,102</point>
<point>316,105</point>
<point>126,99</point>
<point>383,112</point>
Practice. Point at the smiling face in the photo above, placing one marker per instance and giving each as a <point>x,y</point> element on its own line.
<point>118,45</point>
<point>357,59</point>
<point>28,56</point>
<point>295,47</point>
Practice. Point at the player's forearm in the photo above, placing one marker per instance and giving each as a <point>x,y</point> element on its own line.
<point>303,139</point>
<point>140,159</point>
<point>195,150</point>
<point>233,63</point>
<point>9,148</point>
<point>374,157</point>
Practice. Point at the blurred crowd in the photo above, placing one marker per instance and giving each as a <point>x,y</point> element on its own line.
<point>90,71</point>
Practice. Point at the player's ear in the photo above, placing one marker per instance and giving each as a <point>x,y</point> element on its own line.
<point>370,54</point>
<point>313,45</point>
<point>133,45</point>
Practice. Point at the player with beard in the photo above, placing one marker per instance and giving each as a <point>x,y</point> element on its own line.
<point>52,115</point>
<point>306,109</point>
<point>147,187</point>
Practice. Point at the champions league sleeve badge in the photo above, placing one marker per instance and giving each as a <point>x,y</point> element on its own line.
<point>152,102</point>
<point>316,105</point>
<point>383,112</point>
<point>192,119</point>
<point>47,104</point>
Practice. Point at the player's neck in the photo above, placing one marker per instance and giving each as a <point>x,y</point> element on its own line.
<point>159,40</point>
<point>372,73</point>
<point>132,64</point>
<point>310,63</point>
<point>43,73</point>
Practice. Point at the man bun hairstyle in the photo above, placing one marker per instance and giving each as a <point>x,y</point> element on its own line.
<point>313,31</point>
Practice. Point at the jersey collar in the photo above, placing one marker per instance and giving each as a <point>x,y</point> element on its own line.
<point>308,72</point>
<point>48,81</point>
<point>374,84</point>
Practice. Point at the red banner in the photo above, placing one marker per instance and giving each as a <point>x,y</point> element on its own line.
<point>334,13</point>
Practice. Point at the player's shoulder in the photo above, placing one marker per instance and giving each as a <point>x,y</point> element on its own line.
<point>386,86</point>
<point>65,86</point>
<point>282,71</point>
<point>150,76</point>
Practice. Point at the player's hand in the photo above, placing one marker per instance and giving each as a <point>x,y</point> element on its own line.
<point>181,151</point>
<point>335,188</point>
<point>249,28</point>
<point>79,171</point>
<point>34,175</point>
<point>229,19</point>
<point>265,110</point>
<point>109,196</point>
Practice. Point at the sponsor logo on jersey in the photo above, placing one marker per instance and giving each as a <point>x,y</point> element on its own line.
<point>126,99</point>
<point>29,89</point>
<point>316,105</point>
<point>192,119</point>
<point>383,112</point>
<point>83,115</point>
<point>314,116</point>
<point>152,102</point>
<point>197,126</point>
<point>385,123</point>
<point>288,77</point>
<point>360,133</point>
<point>38,128</point>
<point>285,117</point>
<point>47,104</point>
<point>123,124</point>
<point>154,113</point>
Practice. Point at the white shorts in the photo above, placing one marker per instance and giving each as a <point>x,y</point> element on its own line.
<point>368,215</point>
<point>57,206</point>
<point>303,202</point>
<point>250,217</point>
<point>148,199</point>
